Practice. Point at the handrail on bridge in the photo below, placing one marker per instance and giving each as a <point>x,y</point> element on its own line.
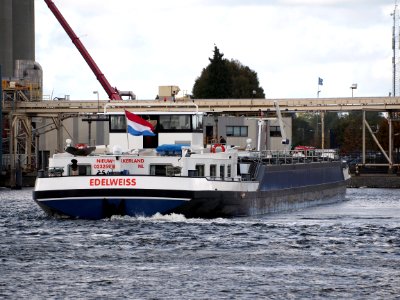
<point>140,104</point>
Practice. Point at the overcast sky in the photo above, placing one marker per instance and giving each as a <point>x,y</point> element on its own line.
<point>140,45</point>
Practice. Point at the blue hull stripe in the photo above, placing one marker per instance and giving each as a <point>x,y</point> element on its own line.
<point>99,208</point>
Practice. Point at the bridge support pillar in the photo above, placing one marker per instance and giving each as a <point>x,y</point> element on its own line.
<point>59,126</point>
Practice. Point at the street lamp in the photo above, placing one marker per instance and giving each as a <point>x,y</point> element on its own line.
<point>98,100</point>
<point>353,87</point>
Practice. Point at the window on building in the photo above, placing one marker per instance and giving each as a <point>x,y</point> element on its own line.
<point>275,131</point>
<point>240,131</point>
<point>229,171</point>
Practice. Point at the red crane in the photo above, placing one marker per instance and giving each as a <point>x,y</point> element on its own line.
<point>113,93</point>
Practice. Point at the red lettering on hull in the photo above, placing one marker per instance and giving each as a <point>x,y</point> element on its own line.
<point>132,160</point>
<point>112,182</point>
<point>103,166</point>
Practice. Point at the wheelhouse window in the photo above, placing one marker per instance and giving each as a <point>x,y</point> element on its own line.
<point>162,123</point>
<point>175,122</point>
<point>117,123</point>
<point>238,131</point>
<point>197,122</point>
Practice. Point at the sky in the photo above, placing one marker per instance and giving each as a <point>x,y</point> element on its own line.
<point>140,45</point>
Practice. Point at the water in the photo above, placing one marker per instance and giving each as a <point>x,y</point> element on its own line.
<point>350,250</point>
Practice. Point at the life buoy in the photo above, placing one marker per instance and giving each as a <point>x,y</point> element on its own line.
<point>217,146</point>
<point>80,146</point>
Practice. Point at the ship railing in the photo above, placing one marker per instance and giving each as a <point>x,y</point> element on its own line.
<point>59,172</point>
<point>274,157</point>
<point>216,178</point>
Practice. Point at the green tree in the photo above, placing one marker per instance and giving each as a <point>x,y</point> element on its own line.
<point>244,81</point>
<point>382,134</point>
<point>351,128</point>
<point>224,79</point>
<point>342,132</point>
<point>303,130</point>
<point>352,135</point>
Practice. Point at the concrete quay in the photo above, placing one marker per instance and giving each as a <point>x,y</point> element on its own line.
<point>374,181</point>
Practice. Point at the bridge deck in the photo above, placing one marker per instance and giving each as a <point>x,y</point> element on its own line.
<point>54,107</point>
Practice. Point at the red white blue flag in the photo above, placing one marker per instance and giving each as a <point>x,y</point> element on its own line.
<point>138,126</point>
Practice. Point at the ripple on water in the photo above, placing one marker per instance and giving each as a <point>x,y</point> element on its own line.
<point>349,250</point>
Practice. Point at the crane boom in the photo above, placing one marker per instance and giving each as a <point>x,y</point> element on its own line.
<point>285,140</point>
<point>112,92</point>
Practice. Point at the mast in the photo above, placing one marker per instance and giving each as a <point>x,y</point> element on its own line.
<point>395,48</point>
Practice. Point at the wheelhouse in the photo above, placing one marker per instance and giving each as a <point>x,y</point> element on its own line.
<point>176,128</point>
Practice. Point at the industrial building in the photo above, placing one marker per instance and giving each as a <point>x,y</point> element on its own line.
<point>21,76</point>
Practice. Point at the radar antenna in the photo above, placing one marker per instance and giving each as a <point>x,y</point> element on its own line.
<point>396,51</point>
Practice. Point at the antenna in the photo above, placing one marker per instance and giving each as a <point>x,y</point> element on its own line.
<point>396,51</point>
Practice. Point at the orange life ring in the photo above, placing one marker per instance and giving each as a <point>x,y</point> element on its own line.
<point>215,146</point>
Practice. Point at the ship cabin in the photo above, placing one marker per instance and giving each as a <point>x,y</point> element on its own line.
<point>176,149</point>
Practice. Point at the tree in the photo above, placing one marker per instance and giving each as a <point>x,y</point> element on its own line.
<point>351,128</point>
<point>382,134</point>
<point>341,132</point>
<point>302,130</point>
<point>223,79</point>
<point>352,138</point>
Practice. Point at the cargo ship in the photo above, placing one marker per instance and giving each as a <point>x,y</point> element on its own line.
<point>160,165</point>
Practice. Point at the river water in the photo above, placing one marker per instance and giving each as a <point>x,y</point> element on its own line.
<point>349,250</point>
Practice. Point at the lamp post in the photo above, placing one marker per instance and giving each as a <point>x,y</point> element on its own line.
<point>89,119</point>
<point>395,48</point>
<point>353,87</point>
<point>253,94</point>
<point>216,127</point>
<point>98,100</point>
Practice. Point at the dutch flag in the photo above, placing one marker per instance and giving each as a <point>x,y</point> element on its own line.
<point>138,126</point>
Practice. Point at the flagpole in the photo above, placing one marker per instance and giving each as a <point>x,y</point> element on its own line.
<point>319,83</point>
<point>127,134</point>
<point>127,138</point>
